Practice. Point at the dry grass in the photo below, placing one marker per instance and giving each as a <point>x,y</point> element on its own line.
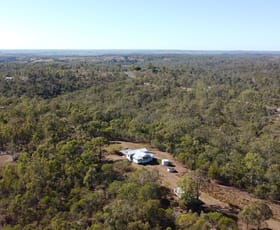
<point>5,159</point>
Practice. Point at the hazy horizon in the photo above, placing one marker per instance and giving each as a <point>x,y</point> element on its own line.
<point>130,51</point>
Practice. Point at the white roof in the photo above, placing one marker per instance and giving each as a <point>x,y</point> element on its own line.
<point>165,160</point>
<point>141,155</point>
<point>138,153</point>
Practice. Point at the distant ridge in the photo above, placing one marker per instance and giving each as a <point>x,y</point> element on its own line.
<point>94,52</point>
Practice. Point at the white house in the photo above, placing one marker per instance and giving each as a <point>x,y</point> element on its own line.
<point>138,156</point>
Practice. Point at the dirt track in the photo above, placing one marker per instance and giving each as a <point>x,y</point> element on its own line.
<point>223,198</point>
<point>170,179</point>
<point>4,159</point>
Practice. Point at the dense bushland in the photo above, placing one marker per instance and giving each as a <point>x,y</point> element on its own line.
<point>214,113</point>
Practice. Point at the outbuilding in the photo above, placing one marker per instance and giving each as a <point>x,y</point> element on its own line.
<point>178,191</point>
<point>165,162</point>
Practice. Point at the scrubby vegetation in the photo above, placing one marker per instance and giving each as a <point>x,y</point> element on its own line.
<point>215,113</point>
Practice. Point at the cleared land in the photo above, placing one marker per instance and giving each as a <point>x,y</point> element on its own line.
<point>225,199</point>
<point>4,159</point>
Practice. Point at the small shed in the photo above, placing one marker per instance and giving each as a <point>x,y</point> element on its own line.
<point>165,162</point>
<point>178,191</point>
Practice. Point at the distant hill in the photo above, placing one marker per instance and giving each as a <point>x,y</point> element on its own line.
<point>94,52</point>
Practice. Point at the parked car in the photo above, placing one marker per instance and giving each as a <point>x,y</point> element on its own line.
<point>171,169</point>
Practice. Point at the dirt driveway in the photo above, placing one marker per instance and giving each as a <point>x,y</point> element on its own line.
<point>168,179</point>
<point>222,198</point>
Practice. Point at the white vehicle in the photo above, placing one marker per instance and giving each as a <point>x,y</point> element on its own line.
<point>165,162</point>
<point>171,169</point>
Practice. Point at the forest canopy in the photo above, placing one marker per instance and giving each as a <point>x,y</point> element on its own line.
<point>216,113</point>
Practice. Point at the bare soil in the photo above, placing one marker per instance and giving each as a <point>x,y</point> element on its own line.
<point>225,199</point>
<point>5,159</point>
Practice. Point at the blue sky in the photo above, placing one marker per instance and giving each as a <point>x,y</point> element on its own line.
<point>141,24</point>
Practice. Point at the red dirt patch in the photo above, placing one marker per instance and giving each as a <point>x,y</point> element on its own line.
<point>223,198</point>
